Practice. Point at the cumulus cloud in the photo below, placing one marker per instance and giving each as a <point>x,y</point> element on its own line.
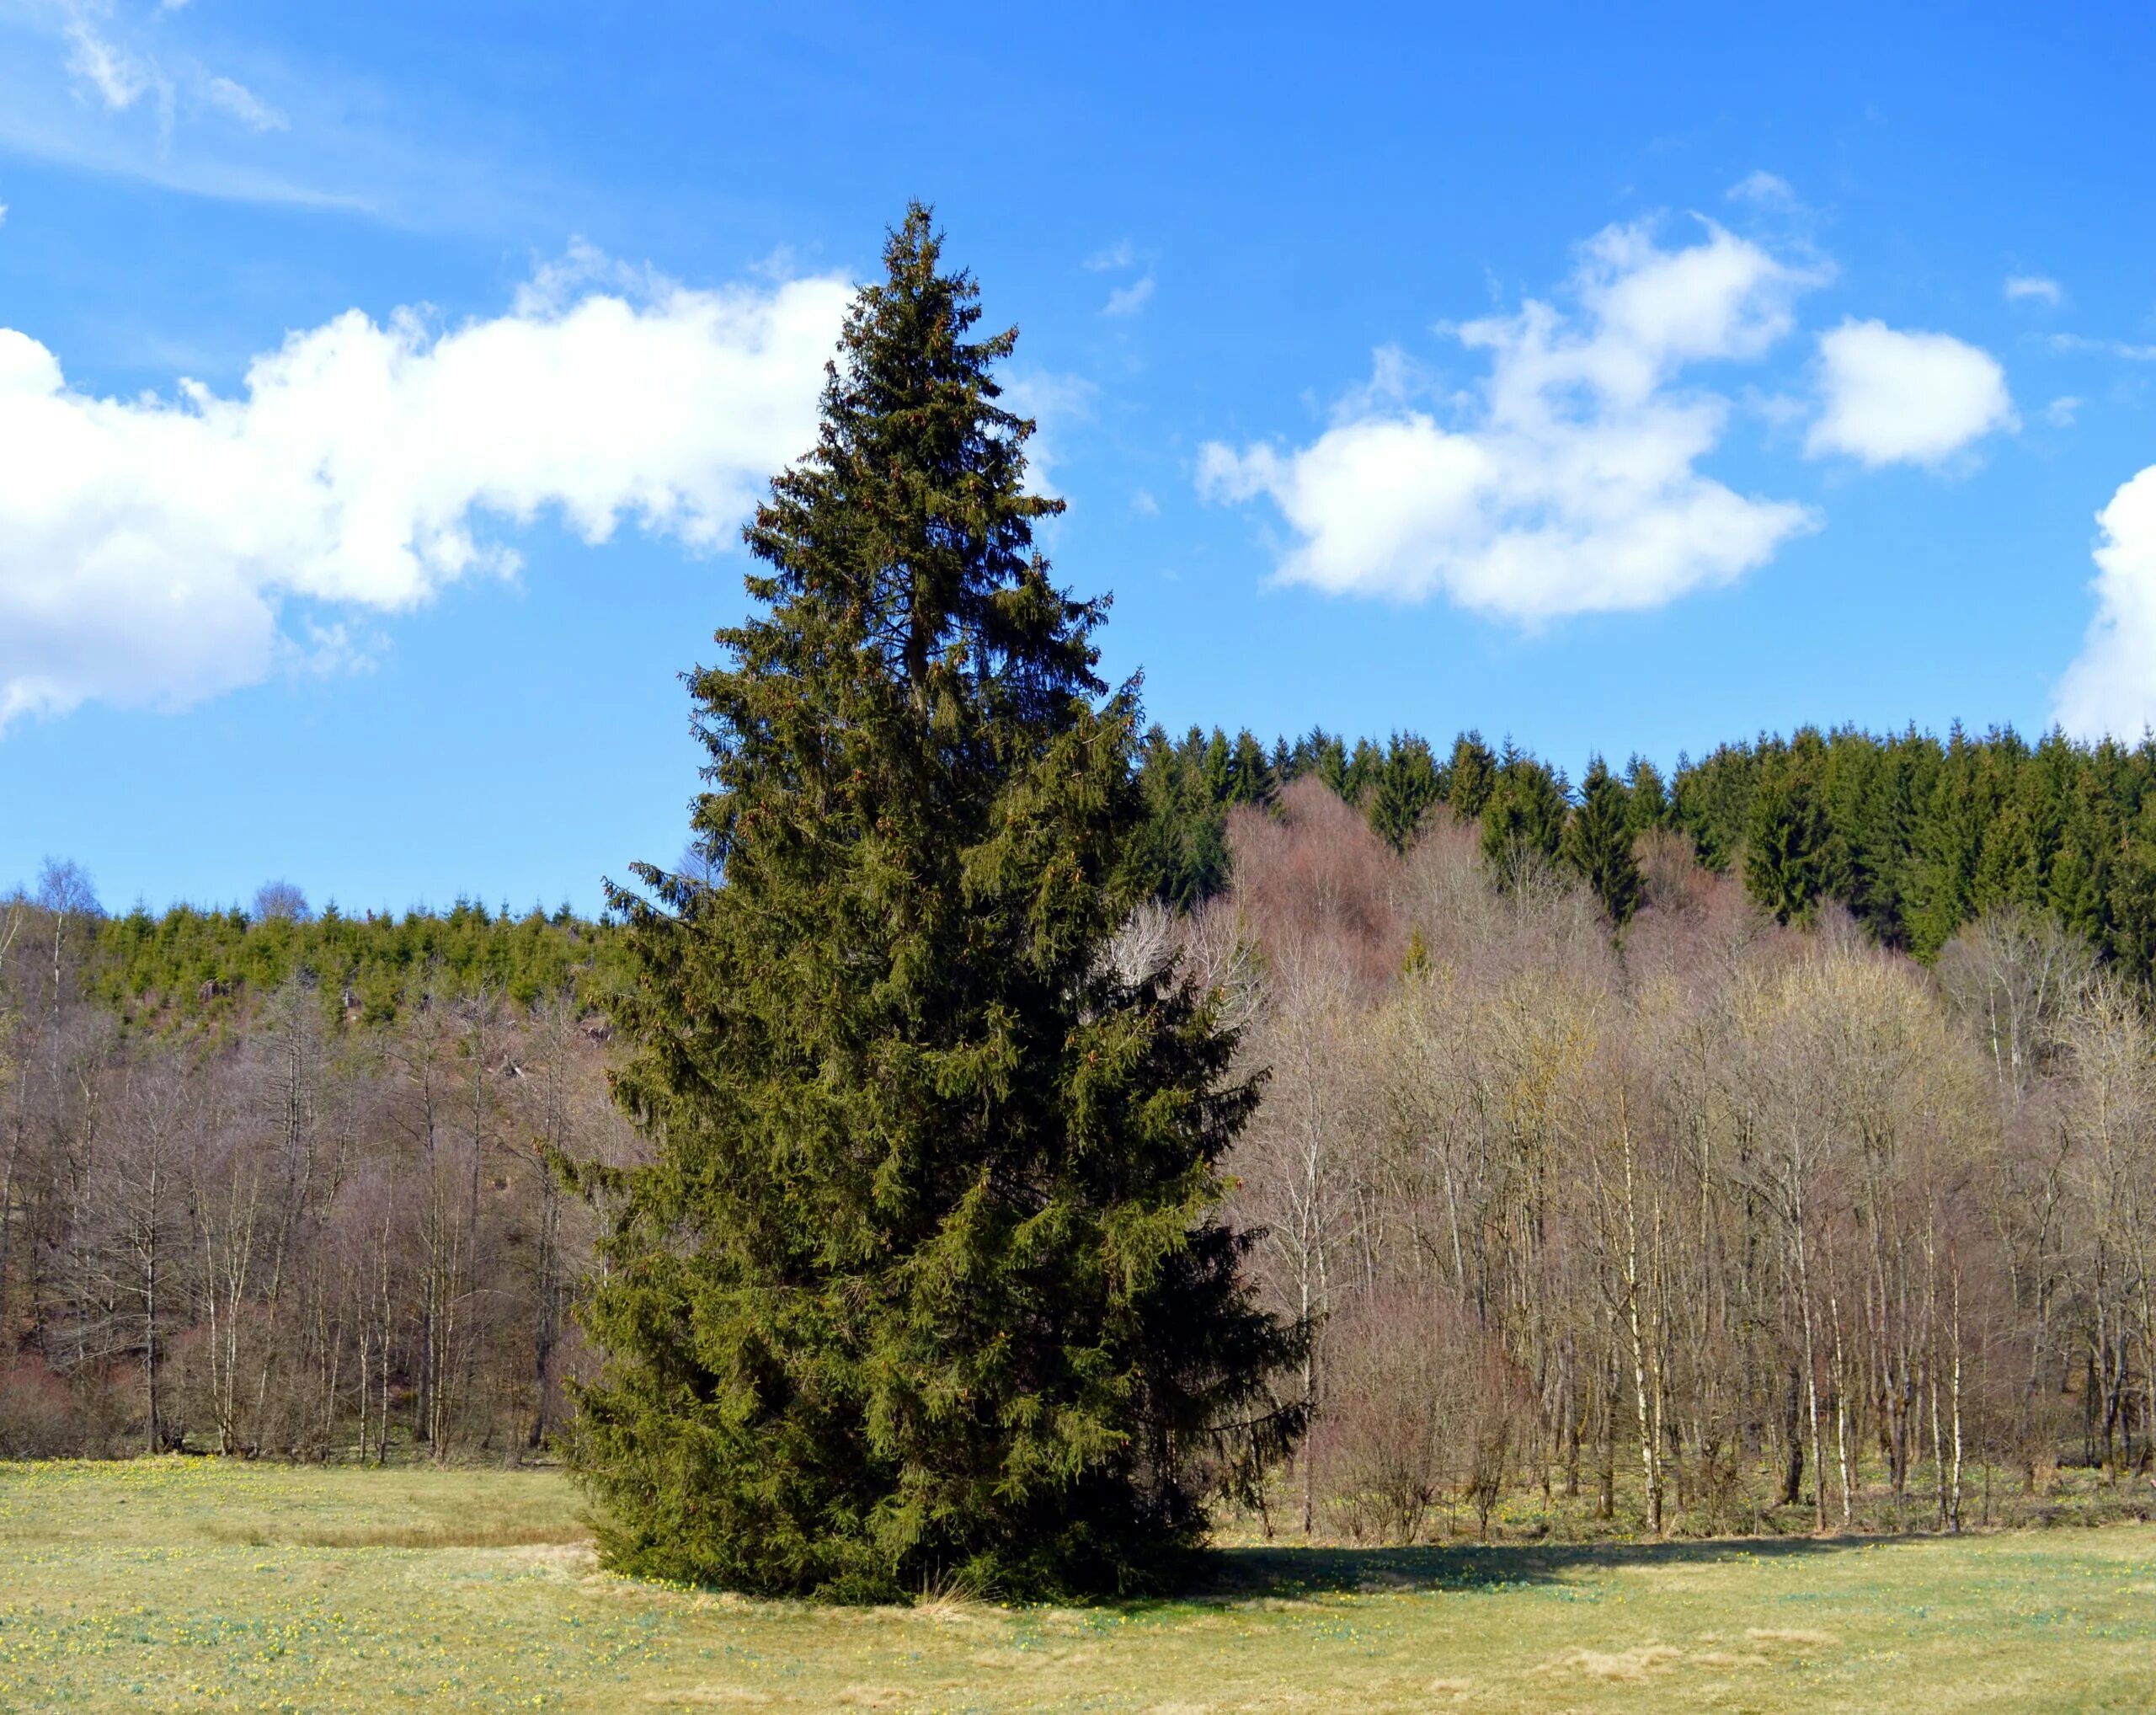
<point>1887,397</point>
<point>152,550</point>
<point>2111,686</point>
<point>2034,288</point>
<point>1569,482</point>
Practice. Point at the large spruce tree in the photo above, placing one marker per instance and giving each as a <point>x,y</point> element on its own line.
<point>925,1283</point>
<point>1597,842</point>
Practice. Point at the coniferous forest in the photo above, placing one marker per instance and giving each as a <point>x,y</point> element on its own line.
<point>1009,1140</point>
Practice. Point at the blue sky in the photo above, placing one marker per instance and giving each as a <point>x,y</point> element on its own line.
<point>382,386</point>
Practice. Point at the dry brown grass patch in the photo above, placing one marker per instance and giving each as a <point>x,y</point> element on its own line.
<point>564,1557</point>
<point>1629,1665</point>
<point>1773,1634</point>
<point>402,1536</point>
<point>1013,1657</point>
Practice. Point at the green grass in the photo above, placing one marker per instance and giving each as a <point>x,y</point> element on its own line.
<point>188,1583</point>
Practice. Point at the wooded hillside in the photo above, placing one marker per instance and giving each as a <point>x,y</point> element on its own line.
<point>1779,1135</point>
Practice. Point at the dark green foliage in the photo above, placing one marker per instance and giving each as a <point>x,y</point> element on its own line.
<point>1180,856</point>
<point>1181,853</point>
<point>1365,764</point>
<point>1320,753</point>
<point>1407,784</point>
<point>1472,777</point>
<point>1711,800</point>
<point>1597,842</point>
<point>1525,819</point>
<point>1785,845</point>
<point>1647,797</point>
<point>925,1283</point>
<point>1250,778</point>
<point>1916,837</point>
<point>190,963</point>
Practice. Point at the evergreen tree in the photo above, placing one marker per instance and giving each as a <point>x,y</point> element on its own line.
<point>1646,796</point>
<point>1360,778</point>
<point>1472,777</point>
<point>1407,785</point>
<point>1524,821</point>
<point>1220,769</point>
<point>1251,779</point>
<point>925,1280</point>
<point>1598,843</point>
<point>1712,802</point>
<point>1320,753</point>
<point>1180,856</point>
<point>1784,847</point>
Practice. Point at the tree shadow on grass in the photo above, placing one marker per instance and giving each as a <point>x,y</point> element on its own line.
<point>1241,1574</point>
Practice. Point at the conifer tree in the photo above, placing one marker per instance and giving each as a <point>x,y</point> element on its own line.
<point>1180,856</point>
<point>1254,781</point>
<point>1327,759</point>
<point>925,1283</point>
<point>1472,776</point>
<point>1524,821</point>
<point>1646,796</point>
<point>1219,768</point>
<point>1407,785</point>
<point>1365,763</point>
<point>1597,842</point>
<point>1784,848</point>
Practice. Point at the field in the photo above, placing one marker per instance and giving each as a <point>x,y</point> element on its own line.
<point>188,1583</point>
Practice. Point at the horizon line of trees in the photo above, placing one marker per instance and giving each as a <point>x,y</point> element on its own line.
<point>1656,1149</point>
<point>1913,835</point>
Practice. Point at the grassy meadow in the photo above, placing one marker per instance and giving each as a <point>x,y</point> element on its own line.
<point>191,1583</point>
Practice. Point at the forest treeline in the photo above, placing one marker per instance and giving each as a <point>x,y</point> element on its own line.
<point>274,1182</point>
<point>1914,835</point>
<point>1775,1141</point>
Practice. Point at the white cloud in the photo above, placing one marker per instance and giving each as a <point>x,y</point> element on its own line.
<point>1894,397</point>
<point>1571,483</point>
<point>243,104</point>
<point>2104,348</point>
<point>2033,288</point>
<point>121,72</point>
<point>1119,254</point>
<point>148,546</point>
<point>120,79</point>
<point>1053,401</point>
<point>1129,300</point>
<point>2111,686</point>
<point>2061,412</point>
<point>1143,505</point>
<point>1764,189</point>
